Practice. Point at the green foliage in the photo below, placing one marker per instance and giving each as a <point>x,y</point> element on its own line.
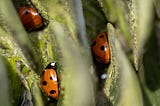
<point>69,27</point>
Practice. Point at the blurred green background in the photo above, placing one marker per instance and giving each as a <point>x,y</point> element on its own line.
<point>69,26</point>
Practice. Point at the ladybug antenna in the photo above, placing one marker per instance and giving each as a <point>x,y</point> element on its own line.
<point>52,65</point>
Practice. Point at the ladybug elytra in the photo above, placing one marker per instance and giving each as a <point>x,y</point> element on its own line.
<point>100,48</point>
<point>49,81</point>
<point>30,18</point>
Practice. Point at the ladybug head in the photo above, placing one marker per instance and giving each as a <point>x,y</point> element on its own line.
<point>52,65</point>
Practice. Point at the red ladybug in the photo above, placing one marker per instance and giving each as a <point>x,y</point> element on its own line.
<point>30,18</point>
<point>100,48</point>
<point>49,81</point>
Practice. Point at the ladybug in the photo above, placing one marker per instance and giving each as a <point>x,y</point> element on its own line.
<point>100,48</point>
<point>30,18</point>
<point>49,81</point>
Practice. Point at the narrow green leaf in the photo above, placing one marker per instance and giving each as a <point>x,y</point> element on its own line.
<point>4,82</point>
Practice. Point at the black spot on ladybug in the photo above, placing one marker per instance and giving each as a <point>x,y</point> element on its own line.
<point>26,12</point>
<point>51,78</point>
<point>44,83</point>
<point>94,43</point>
<point>101,36</point>
<point>52,91</point>
<point>102,47</point>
